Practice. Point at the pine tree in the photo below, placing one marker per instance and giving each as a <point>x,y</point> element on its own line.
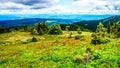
<point>100,29</point>
<point>109,28</point>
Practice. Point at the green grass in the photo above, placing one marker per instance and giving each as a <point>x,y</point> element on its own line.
<point>56,51</point>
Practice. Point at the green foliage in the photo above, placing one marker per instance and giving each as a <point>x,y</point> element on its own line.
<point>98,40</point>
<point>100,30</point>
<point>116,29</point>
<point>78,59</point>
<point>74,27</point>
<point>100,36</point>
<point>4,30</point>
<point>80,37</point>
<point>26,41</point>
<point>109,28</point>
<point>56,30</point>
<point>67,28</point>
<point>33,39</point>
<point>3,61</point>
<point>77,37</point>
<point>40,29</point>
<point>70,35</point>
<point>26,28</point>
<point>96,55</point>
<point>93,35</point>
<point>79,31</point>
<point>34,32</point>
<point>70,27</point>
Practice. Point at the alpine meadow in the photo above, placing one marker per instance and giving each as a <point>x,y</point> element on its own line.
<point>59,34</point>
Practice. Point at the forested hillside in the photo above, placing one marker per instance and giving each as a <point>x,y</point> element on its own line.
<point>92,24</point>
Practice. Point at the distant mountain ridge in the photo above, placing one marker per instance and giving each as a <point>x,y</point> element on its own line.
<point>92,24</point>
<point>52,16</point>
<point>32,21</point>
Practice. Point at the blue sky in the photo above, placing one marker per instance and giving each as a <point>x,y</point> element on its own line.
<point>60,7</point>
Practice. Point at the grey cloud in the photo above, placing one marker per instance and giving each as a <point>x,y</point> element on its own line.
<point>33,4</point>
<point>27,2</point>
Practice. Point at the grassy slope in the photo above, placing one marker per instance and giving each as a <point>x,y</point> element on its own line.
<point>52,51</point>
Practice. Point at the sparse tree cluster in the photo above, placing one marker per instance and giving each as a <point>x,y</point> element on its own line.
<point>43,28</point>
<point>100,36</point>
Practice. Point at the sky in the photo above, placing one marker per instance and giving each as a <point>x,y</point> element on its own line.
<point>59,6</point>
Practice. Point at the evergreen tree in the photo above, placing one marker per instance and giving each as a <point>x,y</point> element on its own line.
<point>100,29</point>
<point>109,28</point>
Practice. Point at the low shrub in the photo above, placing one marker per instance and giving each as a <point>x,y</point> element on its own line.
<point>78,59</point>
<point>93,35</point>
<point>3,61</point>
<point>81,37</point>
<point>26,41</point>
<point>77,37</point>
<point>96,55</point>
<point>106,40</point>
<point>70,35</point>
<point>33,39</point>
<point>98,40</point>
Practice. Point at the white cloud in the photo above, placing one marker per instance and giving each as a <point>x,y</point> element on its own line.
<point>98,6</point>
<point>59,9</point>
<point>89,3</point>
<point>49,7</point>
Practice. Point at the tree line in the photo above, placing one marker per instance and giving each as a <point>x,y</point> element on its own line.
<point>112,30</point>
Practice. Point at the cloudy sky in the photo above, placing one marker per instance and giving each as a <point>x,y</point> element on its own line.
<point>59,6</point>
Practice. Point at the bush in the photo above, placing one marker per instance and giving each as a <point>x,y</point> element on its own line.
<point>98,40</point>
<point>34,31</point>
<point>106,40</point>
<point>81,37</point>
<point>30,40</point>
<point>77,37</point>
<point>78,59</point>
<point>56,30</point>
<point>33,39</point>
<point>93,35</point>
<point>3,61</point>
<point>96,55</point>
<point>70,35</point>
<point>26,41</point>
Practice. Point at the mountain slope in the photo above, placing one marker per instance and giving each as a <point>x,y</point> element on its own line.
<point>92,24</point>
